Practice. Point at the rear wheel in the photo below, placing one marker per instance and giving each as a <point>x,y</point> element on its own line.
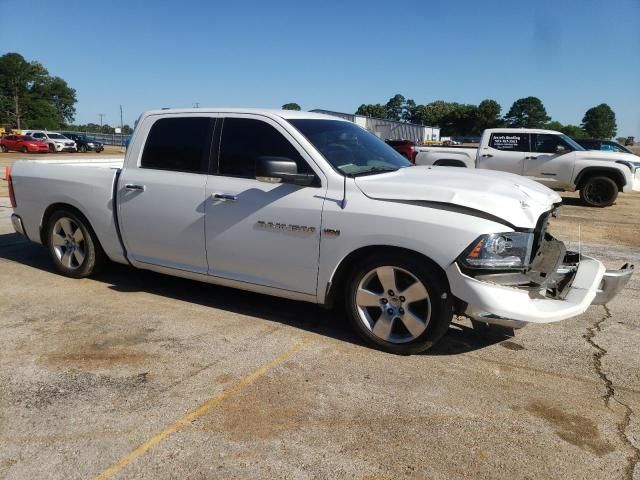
<point>398,303</point>
<point>52,149</point>
<point>82,149</point>
<point>4,149</point>
<point>73,246</point>
<point>599,191</point>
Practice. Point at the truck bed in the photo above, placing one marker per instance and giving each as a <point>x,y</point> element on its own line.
<point>85,183</point>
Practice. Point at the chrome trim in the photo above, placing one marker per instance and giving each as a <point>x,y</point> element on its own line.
<point>17,224</point>
<point>474,314</point>
<point>613,281</point>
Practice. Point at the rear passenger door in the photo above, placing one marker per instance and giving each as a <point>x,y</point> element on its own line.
<point>257,232</point>
<point>505,152</point>
<point>161,193</point>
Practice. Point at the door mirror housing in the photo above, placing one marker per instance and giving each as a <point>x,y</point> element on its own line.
<point>281,170</point>
<point>561,149</point>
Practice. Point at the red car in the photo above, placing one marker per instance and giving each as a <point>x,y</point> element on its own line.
<point>405,147</point>
<point>22,143</point>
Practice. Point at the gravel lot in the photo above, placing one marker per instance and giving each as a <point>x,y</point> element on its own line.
<point>137,375</point>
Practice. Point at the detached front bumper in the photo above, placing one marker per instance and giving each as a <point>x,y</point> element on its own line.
<point>515,306</point>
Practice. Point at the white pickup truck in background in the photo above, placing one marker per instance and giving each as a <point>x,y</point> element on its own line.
<point>313,208</point>
<point>548,157</point>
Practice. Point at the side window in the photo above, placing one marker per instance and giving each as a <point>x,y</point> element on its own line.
<point>178,144</point>
<point>38,135</point>
<point>245,139</point>
<point>545,143</point>
<point>510,142</point>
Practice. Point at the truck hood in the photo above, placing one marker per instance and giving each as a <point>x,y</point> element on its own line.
<point>511,198</point>
<point>611,156</point>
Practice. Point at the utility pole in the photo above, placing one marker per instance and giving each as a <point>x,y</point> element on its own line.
<point>121,129</point>
<point>196,104</point>
<point>101,115</point>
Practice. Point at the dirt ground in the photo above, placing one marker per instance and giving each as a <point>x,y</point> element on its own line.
<point>131,374</point>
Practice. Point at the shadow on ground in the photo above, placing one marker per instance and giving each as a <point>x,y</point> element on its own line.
<point>304,316</point>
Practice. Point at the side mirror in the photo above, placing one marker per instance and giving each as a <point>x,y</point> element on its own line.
<point>281,169</point>
<point>561,149</point>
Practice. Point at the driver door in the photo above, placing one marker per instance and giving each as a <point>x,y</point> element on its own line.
<point>259,232</point>
<point>550,160</point>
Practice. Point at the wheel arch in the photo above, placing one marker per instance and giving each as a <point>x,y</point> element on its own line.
<point>54,207</point>
<point>336,286</point>
<point>588,172</point>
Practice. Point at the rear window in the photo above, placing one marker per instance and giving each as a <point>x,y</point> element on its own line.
<point>178,144</point>
<point>510,142</point>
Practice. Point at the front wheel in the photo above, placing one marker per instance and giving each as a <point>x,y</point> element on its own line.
<point>599,192</point>
<point>73,246</point>
<point>398,303</point>
<point>24,149</point>
<point>82,149</point>
<point>4,149</point>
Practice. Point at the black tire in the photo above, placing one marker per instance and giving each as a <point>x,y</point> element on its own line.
<point>93,257</point>
<point>599,191</point>
<point>24,149</point>
<point>4,149</point>
<point>82,149</point>
<point>436,309</point>
<point>52,149</point>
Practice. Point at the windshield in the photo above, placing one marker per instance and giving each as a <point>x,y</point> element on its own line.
<point>575,145</point>
<point>619,148</point>
<point>350,149</point>
<point>57,136</point>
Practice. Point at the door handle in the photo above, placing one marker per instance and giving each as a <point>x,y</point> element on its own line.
<point>225,197</point>
<point>487,155</point>
<point>134,187</point>
<point>530,158</point>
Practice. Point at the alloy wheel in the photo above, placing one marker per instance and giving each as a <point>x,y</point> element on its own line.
<point>68,243</point>
<point>393,304</point>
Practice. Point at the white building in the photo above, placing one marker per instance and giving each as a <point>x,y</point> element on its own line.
<point>390,129</point>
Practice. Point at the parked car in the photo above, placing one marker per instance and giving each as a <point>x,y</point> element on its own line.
<point>603,145</point>
<point>84,144</point>
<point>406,148</point>
<point>56,141</point>
<point>317,209</point>
<point>549,157</point>
<point>22,143</point>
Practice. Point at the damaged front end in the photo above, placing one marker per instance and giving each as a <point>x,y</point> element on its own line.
<point>543,284</point>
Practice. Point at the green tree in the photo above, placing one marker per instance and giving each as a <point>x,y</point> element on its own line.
<point>527,112</point>
<point>488,116</point>
<point>434,113</point>
<point>394,107</point>
<point>600,122</point>
<point>409,111</point>
<point>291,106</point>
<point>371,110</point>
<point>572,131</point>
<point>30,97</point>
<point>461,120</point>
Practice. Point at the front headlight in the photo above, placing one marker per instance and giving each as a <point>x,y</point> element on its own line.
<point>499,251</point>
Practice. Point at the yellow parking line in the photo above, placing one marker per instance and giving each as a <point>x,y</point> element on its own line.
<point>199,411</point>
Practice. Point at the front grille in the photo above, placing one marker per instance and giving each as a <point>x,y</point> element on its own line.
<point>69,144</point>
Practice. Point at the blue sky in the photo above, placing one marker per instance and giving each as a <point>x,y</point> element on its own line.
<point>334,54</point>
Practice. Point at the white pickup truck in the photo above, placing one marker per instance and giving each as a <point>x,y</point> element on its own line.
<point>548,157</point>
<point>313,208</point>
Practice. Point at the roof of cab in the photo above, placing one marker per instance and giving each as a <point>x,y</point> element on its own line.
<point>522,130</point>
<point>286,114</point>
